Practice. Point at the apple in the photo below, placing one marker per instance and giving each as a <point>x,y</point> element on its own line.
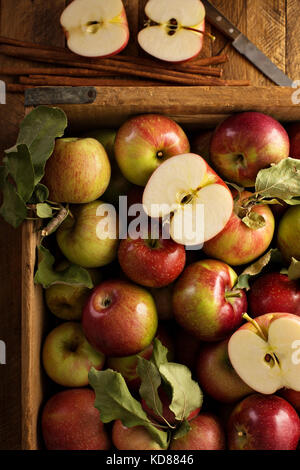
<point>216,375</point>
<point>95,28</point>
<point>292,397</point>
<point>163,301</point>
<point>68,357</point>
<point>144,142</point>
<point>173,31</point>
<point>239,244</point>
<point>71,422</point>
<point>205,302</point>
<point>81,240</point>
<point>135,438</point>
<point>120,318</point>
<point>78,171</point>
<point>206,434</point>
<point>151,262</point>
<point>201,144</point>
<point>265,352</point>
<point>294,135</point>
<point>262,422</point>
<point>246,143</point>
<point>187,348</point>
<point>67,301</point>
<point>188,191</point>
<point>289,234</point>
<point>274,291</point>
<point>127,365</point>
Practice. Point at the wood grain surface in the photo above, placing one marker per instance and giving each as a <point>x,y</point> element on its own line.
<point>271,24</point>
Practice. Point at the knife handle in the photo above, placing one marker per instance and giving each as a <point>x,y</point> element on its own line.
<point>217,19</point>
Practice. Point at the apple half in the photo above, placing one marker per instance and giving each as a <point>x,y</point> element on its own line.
<point>95,28</point>
<point>173,31</point>
<point>196,200</point>
<point>266,352</point>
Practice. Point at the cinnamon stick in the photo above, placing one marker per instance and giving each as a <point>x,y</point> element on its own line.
<point>51,80</point>
<point>65,71</point>
<point>17,87</point>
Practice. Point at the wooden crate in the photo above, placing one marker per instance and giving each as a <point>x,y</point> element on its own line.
<point>199,107</point>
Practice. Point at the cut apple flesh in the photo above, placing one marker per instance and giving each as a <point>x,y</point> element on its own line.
<point>168,39</point>
<point>95,28</point>
<point>200,203</point>
<point>268,366</point>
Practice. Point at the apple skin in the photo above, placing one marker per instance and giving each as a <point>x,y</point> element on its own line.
<point>163,301</point>
<point>246,143</point>
<point>289,234</point>
<point>78,171</point>
<point>293,131</point>
<point>292,397</point>
<point>68,357</point>
<point>71,422</point>
<point>120,318</point>
<point>151,263</point>
<point>238,244</point>
<point>266,422</point>
<point>274,292</point>
<point>206,434</point>
<point>135,438</point>
<point>141,139</point>
<point>216,375</point>
<point>202,304</point>
<point>77,237</point>
<point>201,144</point>
<point>127,365</point>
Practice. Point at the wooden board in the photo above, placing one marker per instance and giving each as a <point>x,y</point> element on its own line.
<point>271,24</point>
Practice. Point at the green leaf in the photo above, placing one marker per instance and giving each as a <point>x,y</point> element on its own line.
<point>294,270</point>
<point>13,209</point>
<point>44,211</point>
<point>280,181</point>
<point>3,175</point>
<point>47,276</point>
<point>159,354</point>
<point>114,401</point>
<point>254,220</point>
<point>40,194</point>
<point>19,165</point>
<point>186,393</point>
<point>151,380</point>
<point>38,131</point>
<point>182,430</point>
<point>272,256</point>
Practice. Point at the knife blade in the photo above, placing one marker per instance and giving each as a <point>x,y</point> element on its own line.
<point>245,47</point>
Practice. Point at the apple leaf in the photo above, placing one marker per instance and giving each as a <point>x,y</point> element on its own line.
<point>38,131</point>
<point>40,194</point>
<point>20,167</point>
<point>151,380</point>
<point>44,211</point>
<point>3,175</point>
<point>294,270</point>
<point>254,220</point>
<point>47,276</point>
<point>272,256</point>
<point>159,354</point>
<point>184,429</point>
<point>281,181</point>
<point>186,393</point>
<point>13,209</point>
<point>114,401</point>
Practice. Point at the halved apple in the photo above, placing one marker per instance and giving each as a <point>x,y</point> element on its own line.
<point>95,28</point>
<point>195,198</point>
<point>266,352</point>
<point>173,32</point>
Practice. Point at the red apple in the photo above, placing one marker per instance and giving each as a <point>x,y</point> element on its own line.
<point>135,438</point>
<point>216,375</point>
<point>206,434</point>
<point>274,292</point>
<point>144,142</point>
<point>119,319</point>
<point>239,244</point>
<point>71,422</point>
<point>201,144</point>
<point>205,302</point>
<point>292,397</point>
<point>163,301</point>
<point>245,143</point>
<point>294,135</point>
<point>151,262</point>
<point>262,422</point>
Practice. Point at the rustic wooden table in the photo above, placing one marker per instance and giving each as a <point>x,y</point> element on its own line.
<point>271,24</point>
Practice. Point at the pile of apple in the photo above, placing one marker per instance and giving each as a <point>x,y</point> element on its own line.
<point>183,289</point>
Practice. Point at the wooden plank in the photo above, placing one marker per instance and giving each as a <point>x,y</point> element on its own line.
<point>293,39</point>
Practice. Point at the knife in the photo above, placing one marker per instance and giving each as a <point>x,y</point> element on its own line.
<point>245,47</point>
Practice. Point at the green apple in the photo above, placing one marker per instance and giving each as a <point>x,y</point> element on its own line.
<point>78,171</point>
<point>68,357</point>
<point>79,240</point>
<point>288,239</point>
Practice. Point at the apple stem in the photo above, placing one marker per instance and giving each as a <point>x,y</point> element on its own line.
<point>233,294</point>
<point>256,325</point>
<point>204,33</point>
<point>55,222</point>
